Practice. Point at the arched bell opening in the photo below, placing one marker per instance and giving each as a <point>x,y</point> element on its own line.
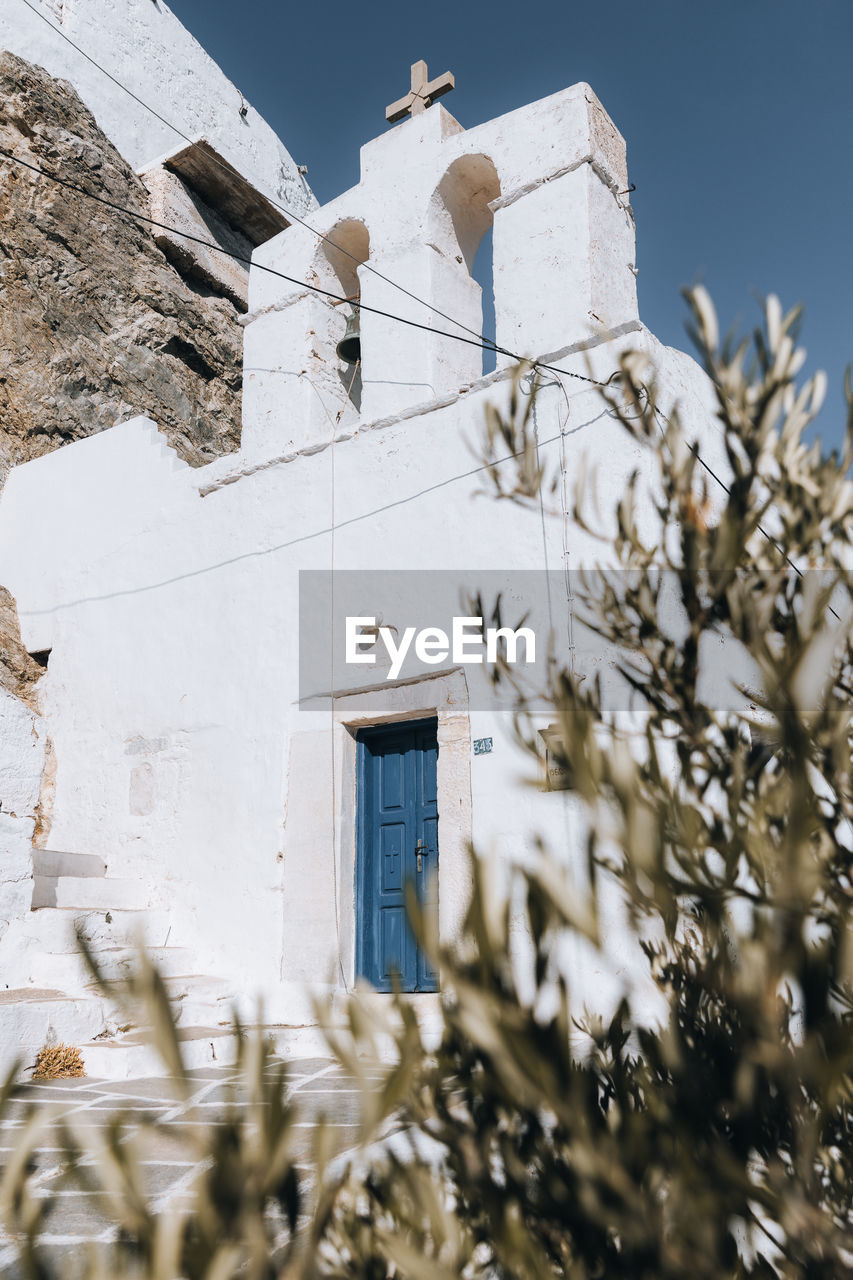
<point>340,256</point>
<point>464,221</point>
<point>483,272</point>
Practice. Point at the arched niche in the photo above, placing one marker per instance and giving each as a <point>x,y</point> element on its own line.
<point>345,248</point>
<point>462,222</point>
<point>339,256</point>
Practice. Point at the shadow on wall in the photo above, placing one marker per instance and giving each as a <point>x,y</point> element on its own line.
<point>339,259</point>
<point>464,222</point>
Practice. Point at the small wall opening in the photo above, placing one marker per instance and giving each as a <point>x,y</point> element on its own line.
<point>483,272</point>
<point>341,255</point>
<point>464,194</point>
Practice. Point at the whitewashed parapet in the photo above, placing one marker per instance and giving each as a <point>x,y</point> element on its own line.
<point>22,756</point>
<point>552,179</point>
<point>146,49</point>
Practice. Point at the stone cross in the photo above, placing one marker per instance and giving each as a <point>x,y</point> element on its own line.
<point>422,94</point>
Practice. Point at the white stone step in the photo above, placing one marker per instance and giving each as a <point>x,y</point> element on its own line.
<point>133,1056</point>
<point>298,1042</point>
<point>49,865</point>
<point>122,927</point>
<point>198,1000</point>
<point>53,863</point>
<point>120,962</point>
<point>53,928</point>
<point>33,1017</point>
<point>43,969</point>
<point>40,948</point>
<point>89,893</point>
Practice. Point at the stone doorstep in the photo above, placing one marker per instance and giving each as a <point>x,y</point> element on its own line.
<point>29,1016</point>
<point>198,1000</point>
<point>133,1057</point>
<point>32,1017</point>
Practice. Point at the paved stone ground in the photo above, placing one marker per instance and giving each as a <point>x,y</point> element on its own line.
<point>80,1218</point>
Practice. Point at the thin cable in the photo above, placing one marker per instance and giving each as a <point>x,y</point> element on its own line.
<point>564,504</point>
<point>487,342</point>
<point>387,315</point>
<point>694,449</point>
<point>302,284</point>
<point>334,806</point>
<point>343,408</point>
<point>334,810</point>
<point>564,510</point>
<point>542,517</point>
<point>238,257</point>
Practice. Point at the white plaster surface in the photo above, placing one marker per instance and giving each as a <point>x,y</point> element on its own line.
<point>549,175</point>
<point>144,47</point>
<point>173,205</point>
<point>169,597</point>
<point>183,757</point>
<point>22,753</point>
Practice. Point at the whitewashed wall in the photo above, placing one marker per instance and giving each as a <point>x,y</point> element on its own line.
<point>171,695</point>
<point>551,176</point>
<point>22,757</point>
<point>144,46</point>
<point>169,597</point>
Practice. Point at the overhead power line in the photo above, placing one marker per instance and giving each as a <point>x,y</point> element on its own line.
<point>326,293</point>
<point>477,340</point>
<point>487,343</point>
<point>230,253</point>
<point>281,275</point>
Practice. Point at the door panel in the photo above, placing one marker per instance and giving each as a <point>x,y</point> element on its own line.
<point>397,845</point>
<point>392,843</point>
<point>392,943</point>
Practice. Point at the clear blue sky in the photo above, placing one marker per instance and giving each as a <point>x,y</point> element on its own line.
<point>738,117</point>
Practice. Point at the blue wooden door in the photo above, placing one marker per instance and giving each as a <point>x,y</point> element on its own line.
<point>397,845</point>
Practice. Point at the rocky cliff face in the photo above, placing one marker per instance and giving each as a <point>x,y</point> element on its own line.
<point>18,671</point>
<point>96,325</point>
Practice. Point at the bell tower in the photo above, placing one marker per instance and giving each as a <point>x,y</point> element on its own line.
<point>397,251</point>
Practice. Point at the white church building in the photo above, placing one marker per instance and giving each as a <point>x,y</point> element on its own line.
<point>259,838</point>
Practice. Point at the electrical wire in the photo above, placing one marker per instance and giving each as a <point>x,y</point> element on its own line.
<point>288,213</point>
<point>333,811</point>
<point>477,339</point>
<point>238,257</point>
<point>387,315</point>
<point>565,519</point>
<point>482,341</point>
<point>301,284</point>
<point>694,449</point>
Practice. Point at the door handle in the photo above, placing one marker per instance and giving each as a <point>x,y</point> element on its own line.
<point>421,850</point>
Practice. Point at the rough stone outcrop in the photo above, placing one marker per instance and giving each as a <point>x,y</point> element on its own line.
<point>18,671</point>
<point>96,325</point>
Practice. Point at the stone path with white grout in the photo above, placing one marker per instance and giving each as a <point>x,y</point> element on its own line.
<point>79,1218</point>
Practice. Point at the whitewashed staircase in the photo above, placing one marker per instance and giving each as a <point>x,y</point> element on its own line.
<point>72,893</point>
<point>79,881</point>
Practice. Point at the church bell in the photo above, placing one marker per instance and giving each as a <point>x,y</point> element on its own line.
<point>349,347</point>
